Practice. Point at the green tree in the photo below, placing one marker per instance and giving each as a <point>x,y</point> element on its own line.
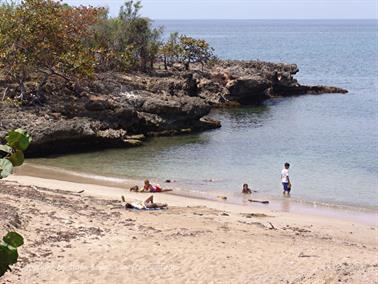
<point>171,50</point>
<point>139,34</point>
<point>195,51</point>
<point>128,41</point>
<point>45,38</point>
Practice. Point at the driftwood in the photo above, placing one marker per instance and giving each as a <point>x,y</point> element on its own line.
<point>306,255</point>
<point>271,226</point>
<point>259,201</point>
<point>255,215</point>
<point>5,93</point>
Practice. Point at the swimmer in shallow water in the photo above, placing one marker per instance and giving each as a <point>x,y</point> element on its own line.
<point>246,189</point>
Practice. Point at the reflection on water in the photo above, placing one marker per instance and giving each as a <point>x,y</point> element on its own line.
<point>247,117</point>
<point>285,204</point>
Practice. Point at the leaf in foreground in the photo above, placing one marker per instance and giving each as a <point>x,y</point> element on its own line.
<point>6,168</point>
<point>14,239</point>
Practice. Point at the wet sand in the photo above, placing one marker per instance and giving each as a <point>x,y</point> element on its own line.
<point>88,237</point>
<point>287,205</point>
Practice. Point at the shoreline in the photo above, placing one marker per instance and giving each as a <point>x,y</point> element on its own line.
<point>80,233</point>
<point>365,216</point>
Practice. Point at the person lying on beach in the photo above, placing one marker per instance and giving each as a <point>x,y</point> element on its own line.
<point>147,204</point>
<point>246,189</point>
<point>153,188</point>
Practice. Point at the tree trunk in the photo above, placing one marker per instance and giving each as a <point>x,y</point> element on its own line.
<point>143,59</point>
<point>165,63</point>
<point>5,93</point>
<point>152,64</point>
<point>42,84</point>
<point>22,88</point>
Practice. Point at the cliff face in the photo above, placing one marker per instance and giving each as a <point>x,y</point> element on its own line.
<point>117,110</point>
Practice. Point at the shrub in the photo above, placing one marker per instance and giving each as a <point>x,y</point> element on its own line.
<point>171,50</point>
<point>126,42</point>
<point>12,153</point>
<point>45,38</point>
<point>195,51</point>
<point>8,251</point>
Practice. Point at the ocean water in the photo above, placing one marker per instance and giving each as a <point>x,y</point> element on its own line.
<point>330,140</point>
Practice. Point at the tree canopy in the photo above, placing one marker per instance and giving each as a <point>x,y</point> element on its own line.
<point>44,38</point>
<point>195,51</point>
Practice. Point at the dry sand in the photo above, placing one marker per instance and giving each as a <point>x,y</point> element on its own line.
<point>89,238</point>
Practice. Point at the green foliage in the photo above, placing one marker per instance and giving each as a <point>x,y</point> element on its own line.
<point>17,158</point>
<point>126,42</point>
<point>13,239</point>
<point>186,50</point>
<point>42,38</point>
<point>195,50</point>
<point>6,168</point>
<point>130,10</point>
<point>171,50</point>
<point>18,139</point>
<point>8,251</point>
<point>11,154</point>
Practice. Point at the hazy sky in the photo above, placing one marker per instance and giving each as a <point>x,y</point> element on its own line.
<point>248,9</point>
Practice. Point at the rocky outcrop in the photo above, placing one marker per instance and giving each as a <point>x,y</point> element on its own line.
<point>247,90</point>
<point>285,91</point>
<point>118,110</point>
<point>87,121</point>
<point>253,82</point>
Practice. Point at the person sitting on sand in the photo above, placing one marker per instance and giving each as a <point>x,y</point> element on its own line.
<point>246,189</point>
<point>147,204</point>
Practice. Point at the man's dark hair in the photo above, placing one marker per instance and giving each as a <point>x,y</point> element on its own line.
<point>287,165</point>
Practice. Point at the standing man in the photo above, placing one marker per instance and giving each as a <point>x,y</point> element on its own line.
<point>286,180</point>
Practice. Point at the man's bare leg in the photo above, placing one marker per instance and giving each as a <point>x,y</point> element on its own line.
<point>149,200</point>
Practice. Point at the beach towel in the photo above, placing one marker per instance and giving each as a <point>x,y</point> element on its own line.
<point>140,205</point>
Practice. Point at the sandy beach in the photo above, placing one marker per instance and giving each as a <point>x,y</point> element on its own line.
<point>213,102</point>
<point>88,237</point>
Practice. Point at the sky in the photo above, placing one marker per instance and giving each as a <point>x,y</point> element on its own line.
<point>248,9</point>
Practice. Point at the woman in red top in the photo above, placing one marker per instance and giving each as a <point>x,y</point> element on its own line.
<point>151,188</point>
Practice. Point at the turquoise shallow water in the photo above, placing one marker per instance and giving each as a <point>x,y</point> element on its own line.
<point>330,140</point>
